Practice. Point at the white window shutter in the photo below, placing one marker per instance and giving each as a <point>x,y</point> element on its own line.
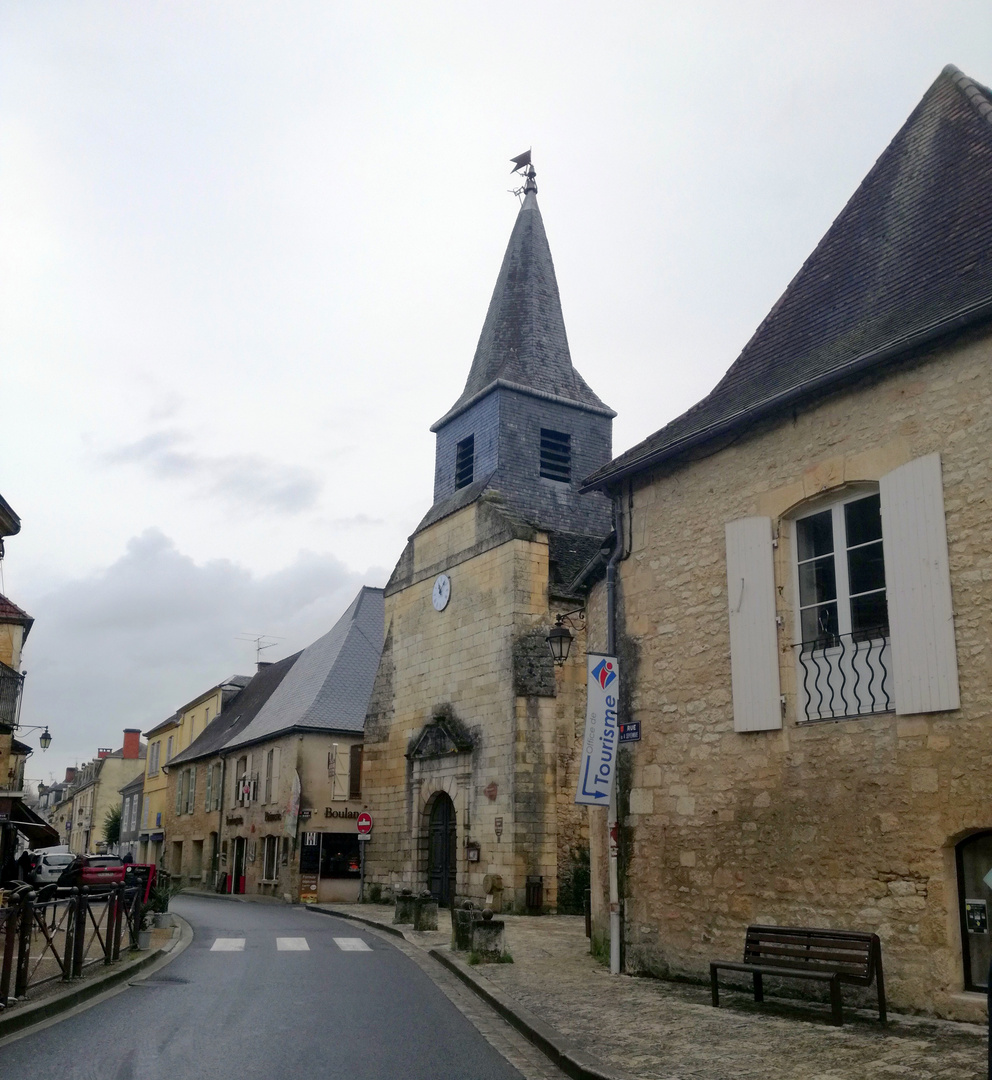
<point>753,630</point>
<point>918,587</point>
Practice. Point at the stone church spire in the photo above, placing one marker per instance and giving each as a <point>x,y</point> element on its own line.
<point>523,345</point>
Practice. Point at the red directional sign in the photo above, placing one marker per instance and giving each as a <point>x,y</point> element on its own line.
<point>365,823</point>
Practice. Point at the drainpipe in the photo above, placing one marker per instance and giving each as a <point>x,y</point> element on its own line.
<point>220,816</point>
<point>613,824</point>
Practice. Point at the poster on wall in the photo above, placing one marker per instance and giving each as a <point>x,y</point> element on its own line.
<point>597,767</point>
<point>976,915</point>
<point>308,888</point>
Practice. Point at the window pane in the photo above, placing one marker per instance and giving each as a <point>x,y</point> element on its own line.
<point>869,616</point>
<point>866,568</point>
<point>863,520</point>
<point>817,581</point>
<point>820,623</point>
<point>815,535</point>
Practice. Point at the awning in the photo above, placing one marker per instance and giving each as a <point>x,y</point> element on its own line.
<point>38,832</point>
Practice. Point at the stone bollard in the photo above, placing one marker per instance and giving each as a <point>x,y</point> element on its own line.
<point>403,914</point>
<point>425,912</point>
<point>488,939</point>
<point>462,921</point>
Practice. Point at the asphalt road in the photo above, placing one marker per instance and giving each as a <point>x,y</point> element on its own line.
<point>266,991</point>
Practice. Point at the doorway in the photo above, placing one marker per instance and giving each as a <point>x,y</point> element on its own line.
<point>974,863</point>
<point>442,849</point>
<point>237,883</point>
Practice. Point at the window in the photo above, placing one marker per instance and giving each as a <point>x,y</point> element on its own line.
<point>144,817</point>
<point>874,627</point>
<point>355,773</point>
<point>134,812</point>
<point>168,749</point>
<point>181,780</point>
<point>191,791</point>
<point>556,455</point>
<point>465,462</point>
<point>216,770</point>
<point>270,858</point>
<point>153,756</point>
<point>268,775</point>
<point>845,662</point>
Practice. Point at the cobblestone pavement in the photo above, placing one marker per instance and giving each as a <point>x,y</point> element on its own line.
<point>661,1030</point>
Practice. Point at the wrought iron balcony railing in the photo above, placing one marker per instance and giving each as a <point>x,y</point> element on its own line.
<point>845,675</point>
<point>10,690</point>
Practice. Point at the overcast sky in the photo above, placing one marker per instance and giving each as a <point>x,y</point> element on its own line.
<point>246,250</point>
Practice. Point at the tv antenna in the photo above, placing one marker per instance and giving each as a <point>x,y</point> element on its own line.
<point>260,641</point>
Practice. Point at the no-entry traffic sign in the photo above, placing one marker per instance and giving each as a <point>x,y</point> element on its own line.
<point>365,823</point>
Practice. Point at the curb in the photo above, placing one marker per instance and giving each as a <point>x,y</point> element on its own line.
<point>29,1015</point>
<point>572,1061</point>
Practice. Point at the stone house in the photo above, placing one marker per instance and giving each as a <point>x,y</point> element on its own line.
<point>96,790</point>
<point>471,735</point>
<point>196,778</point>
<point>804,600</point>
<point>273,786</point>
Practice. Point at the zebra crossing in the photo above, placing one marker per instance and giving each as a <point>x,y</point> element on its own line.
<point>290,944</point>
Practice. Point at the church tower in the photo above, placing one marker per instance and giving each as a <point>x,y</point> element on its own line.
<point>472,734</point>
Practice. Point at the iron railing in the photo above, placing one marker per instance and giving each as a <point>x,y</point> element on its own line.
<point>10,690</point>
<point>845,675</point>
<point>58,933</point>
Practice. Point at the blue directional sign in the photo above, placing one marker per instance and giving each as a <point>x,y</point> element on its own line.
<point>599,744</point>
<point>631,731</point>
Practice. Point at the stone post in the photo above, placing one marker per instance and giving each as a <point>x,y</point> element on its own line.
<point>462,921</point>
<point>488,938</point>
<point>425,912</point>
<point>403,913</point>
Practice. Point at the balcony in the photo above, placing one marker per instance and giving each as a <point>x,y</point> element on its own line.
<point>842,676</point>
<point>10,690</point>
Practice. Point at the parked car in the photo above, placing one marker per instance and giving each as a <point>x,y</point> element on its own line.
<point>96,871</point>
<point>47,866</point>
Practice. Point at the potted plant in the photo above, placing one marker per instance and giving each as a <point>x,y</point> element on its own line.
<point>145,927</point>
<point>158,901</point>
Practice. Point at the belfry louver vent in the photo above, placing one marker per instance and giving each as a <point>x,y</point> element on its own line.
<point>556,455</point>
<point>464,462</point>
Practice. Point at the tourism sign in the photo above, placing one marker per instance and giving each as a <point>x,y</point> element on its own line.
<point>597,766</point>
<point>364,824</point>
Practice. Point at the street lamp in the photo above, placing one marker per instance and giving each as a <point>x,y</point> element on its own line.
<point>44,739</point>
<point>560,639</point>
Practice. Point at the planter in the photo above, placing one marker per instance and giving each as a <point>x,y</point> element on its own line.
<point>144,940</point>
<point>162,920</point>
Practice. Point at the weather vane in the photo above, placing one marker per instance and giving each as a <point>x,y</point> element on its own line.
<point>521,164</point>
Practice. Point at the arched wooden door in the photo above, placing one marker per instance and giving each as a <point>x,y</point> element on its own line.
<point>442,849</point>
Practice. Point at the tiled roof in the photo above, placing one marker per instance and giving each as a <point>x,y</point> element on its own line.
<point>238,713</point>
<point>172,721</point>
<point>907,261</point>
<point>329,686</point>
<point>523,344</point>
<point>10,612</point>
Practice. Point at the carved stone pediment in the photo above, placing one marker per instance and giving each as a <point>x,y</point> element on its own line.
<point>441,736</point>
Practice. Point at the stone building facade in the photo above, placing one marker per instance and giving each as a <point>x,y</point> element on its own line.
<point>805,601</point>
<point>471,735</point>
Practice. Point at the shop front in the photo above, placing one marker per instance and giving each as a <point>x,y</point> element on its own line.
<point>330,867</point>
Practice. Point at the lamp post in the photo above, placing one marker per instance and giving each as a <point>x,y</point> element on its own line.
<point>44,739</point>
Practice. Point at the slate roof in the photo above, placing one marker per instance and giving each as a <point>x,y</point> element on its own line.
<point>171,721</point>
<point>236,714</point>
<point>523,345</point>
<point>907,261</point>
<point>329,686</point>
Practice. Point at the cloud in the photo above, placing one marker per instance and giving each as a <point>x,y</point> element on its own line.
<point>127,646</point>
<point>245,480</point>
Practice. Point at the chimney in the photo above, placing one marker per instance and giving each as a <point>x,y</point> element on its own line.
<point>262,664</point>
<point>132,743</point>
<point>104,751</point>
<point>70,774</point>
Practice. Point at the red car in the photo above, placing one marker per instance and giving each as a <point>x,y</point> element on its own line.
<point>95,871</point>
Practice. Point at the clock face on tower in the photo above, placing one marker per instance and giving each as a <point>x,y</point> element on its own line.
<point>442,592</point>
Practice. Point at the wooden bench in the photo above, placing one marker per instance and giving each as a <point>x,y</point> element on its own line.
<point>790,952</point>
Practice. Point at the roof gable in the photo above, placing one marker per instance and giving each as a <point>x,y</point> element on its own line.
<point>908,259</point>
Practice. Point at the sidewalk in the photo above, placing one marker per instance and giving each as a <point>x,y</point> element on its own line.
<point>620,1026</point>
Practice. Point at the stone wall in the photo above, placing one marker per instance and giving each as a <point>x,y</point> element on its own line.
<point>845,824</point>
<point>477,658</point>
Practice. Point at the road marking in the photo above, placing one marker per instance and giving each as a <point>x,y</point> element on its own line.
<point>352,944</point>
<point>292,944</point>
<point>228,944</point>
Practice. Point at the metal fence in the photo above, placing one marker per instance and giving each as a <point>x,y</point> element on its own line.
<point>845,675</point>
<point>56,934</point>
